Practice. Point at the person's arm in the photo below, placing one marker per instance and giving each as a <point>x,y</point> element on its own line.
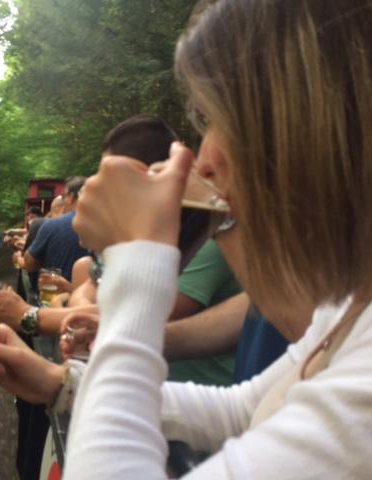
<point>134,322</point>
<point>50,319</point>
<point>35,251</point>
<point>60,300</point>
<point>80,271</point>
<point>84,290</point>
<point>213,331</point>
<point>185,306</point>
<point>310,422</point>
<point>85,294</point>
<point>30,263</point>
<point>204,417</point>
<point>13,307</point>
<point>26,374</point>
<point>35,379</point>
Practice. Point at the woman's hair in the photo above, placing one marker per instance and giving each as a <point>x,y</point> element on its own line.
<point>287,84</point>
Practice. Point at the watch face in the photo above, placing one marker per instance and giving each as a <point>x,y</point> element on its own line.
<point>29,321</point>
<point>27,328</point>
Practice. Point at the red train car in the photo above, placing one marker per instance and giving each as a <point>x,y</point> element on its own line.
<point>41,192</point>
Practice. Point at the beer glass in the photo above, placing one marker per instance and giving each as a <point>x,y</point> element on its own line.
<point>48,286</point>
<point>203,211</point>
<point>80,333</point>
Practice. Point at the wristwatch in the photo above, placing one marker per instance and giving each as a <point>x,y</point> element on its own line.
<point>30,321</point>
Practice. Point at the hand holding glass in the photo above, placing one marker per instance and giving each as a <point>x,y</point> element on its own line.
<point>203,211</point>
<point>79,334</point>
<point>48,285</point>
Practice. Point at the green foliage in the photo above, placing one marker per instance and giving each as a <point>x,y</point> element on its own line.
<point>77,68</point>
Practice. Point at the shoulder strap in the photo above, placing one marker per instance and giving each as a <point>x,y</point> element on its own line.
<point>320,357</point>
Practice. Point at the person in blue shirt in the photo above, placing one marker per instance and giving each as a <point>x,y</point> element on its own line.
<point>259,345</point>
<point>56,244</point>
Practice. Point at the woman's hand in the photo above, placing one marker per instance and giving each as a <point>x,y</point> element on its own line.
<point>26,374</point>
<point>123,203</point>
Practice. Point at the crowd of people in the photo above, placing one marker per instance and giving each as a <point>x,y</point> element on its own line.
<point>258,352</point>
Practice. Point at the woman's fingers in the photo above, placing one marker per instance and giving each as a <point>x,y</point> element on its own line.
<point>123,203</point>
<point>9,337</point>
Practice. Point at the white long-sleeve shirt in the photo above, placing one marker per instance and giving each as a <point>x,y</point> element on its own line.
<point>323,430</point>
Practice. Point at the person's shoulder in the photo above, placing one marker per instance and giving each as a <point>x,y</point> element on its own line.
<point>363,327</point>
<point>65,217</point>
<point>327,315</point>
<point>44,225</point>
<point>51,225</point>
<point>209,251</point>
<point>61,220</point>
<point>37,222</point>
<point>211,246</point>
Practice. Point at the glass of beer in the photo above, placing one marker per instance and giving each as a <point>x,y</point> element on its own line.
<point>203,211</point>
<point>80,334</point>
<point>48,285</point>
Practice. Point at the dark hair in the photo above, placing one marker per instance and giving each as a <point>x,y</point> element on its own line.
<point>35,211</point>
<point>142,137</point>
<point>74,184</point>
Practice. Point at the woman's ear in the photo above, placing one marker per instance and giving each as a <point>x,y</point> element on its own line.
<point>212,163</point>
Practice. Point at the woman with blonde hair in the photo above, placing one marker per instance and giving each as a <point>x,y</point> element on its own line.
<point>282,92</point>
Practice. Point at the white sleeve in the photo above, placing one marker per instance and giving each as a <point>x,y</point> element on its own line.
<point>205,416</point>
<point>66,396</point>
<point>115,426</point>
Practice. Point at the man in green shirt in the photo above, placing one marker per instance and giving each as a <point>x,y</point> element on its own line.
<point>206,281</point>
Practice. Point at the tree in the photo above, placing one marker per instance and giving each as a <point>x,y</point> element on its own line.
<point>78,68</point>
